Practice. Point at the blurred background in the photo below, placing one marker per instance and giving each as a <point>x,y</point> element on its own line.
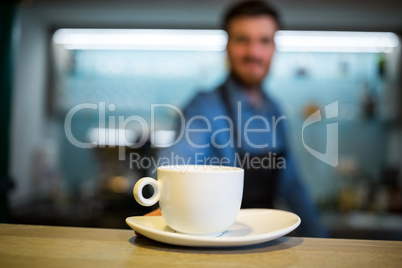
<point>59,54</point>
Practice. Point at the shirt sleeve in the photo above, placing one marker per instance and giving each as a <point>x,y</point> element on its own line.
<point>298,199</point>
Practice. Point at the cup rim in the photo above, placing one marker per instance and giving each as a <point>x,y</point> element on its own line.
<point>202,168</point>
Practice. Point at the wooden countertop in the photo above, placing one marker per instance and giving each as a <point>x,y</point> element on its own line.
<point>45,246</point>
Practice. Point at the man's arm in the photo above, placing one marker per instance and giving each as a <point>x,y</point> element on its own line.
<point>298,199</point>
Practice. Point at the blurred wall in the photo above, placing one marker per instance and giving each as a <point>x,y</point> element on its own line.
<point>28,109</point>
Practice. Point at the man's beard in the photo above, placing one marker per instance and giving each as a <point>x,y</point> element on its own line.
<point>249,82</point>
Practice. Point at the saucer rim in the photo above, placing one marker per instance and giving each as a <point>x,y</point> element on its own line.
<point>180,239</point>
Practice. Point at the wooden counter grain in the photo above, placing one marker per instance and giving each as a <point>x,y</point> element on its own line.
<point>45,246</point>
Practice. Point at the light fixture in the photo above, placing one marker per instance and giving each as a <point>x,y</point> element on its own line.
<point>326,41</point>
<point>163,138</point>
<point>111,136</point>
<point>126,39</point>
<point>215,40</point>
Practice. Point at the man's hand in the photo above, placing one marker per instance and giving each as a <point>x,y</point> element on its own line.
<point>156,212</point>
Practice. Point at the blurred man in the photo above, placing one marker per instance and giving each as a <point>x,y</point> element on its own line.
<point>238,124</point>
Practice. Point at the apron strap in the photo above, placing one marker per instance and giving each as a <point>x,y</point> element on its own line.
<point>260,184</point>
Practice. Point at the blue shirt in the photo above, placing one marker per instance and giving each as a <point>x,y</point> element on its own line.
<point>209,138</point>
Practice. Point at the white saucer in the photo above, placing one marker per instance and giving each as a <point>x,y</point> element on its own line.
<point>253,226</point>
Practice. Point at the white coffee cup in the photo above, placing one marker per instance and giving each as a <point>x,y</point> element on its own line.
<point>197,200</point>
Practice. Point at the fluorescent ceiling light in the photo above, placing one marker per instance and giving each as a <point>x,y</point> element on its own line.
<point>115,39</point>
<point>215,40</point>
<point>111,136</point>
<point>163,138</point>
<point>325,41</point>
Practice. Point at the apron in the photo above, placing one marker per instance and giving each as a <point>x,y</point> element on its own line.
<point>261,182</point>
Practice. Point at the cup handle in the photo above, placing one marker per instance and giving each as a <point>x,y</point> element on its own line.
<point>137,191</point>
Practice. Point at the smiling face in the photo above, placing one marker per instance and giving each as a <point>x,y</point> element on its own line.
<point>251,47</point>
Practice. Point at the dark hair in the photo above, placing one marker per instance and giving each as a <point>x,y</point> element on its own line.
<point>250,8</point>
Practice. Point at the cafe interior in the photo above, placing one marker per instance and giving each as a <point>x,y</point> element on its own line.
<point>92,64</point>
